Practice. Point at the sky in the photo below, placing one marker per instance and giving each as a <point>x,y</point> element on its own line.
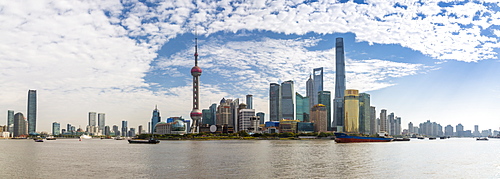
<point>423,60</point>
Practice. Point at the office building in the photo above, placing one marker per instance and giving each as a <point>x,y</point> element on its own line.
<point>155,119</point>
<point>390,120</point>
<point>245,122</point>
<point>448,130</point>
<point>286,100</point>
<point>319,118</point>
<point>364,113</point>
<point>92,119</point>
<point>286,125</point>
<point>207,117</point>
<point>116,130</point>
<point>351,111</point>
<point>459,130</point>
<point>249,101</point>
<point>131,132</point>
<point>310,92</point>
<point>56,128</point>
<point>10,120</point>
<point>261,116</point>
<point>318,83</point>
<point>140,130</point>
<point>338,108</point>
<point>302,108</point>
<point>32,111</point>
<point>374,126</point>
<point>274,102</point>
<point>101,121</point>
<point>325,98</point>
<point>124,128</point>
<point>20,125</point>
<point>476,131</point>
<point>410,128</point>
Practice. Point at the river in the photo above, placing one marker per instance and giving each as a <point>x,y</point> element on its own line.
<point>95,158</point>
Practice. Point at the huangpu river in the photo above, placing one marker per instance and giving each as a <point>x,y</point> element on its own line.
<point>95,158</point>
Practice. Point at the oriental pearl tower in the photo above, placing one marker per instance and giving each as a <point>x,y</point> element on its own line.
<point>196,73</point>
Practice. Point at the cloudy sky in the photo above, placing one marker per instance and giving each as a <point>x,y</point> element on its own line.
<point>423,60</point>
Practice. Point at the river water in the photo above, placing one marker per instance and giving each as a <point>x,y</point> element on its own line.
<point>70,158</point>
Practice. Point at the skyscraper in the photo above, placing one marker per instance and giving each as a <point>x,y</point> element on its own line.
<point>124,128</point>
<point>373,120</point>
<point>244,122</point>
<point>459,130</point>
<point>351,111</point>
<point>338,108</point>
<point>383,121</point>
<point>302,107</point>
<point>20,125</point>
<point>319,118</point>
<point>196,73</point>
<point>56,128</point>
<point>10,120</point>
<point>274,102</point>
<point>318,82</point>
<point>92,119</point>
<point>116,131</point>
<point>310,92</point>
<point>325,98</point>
<point>448,130</point>
<point>249,101</point>
<point>31,111</point>
<point>286,100</point>
<point>155,119</point>
<point>364,113</point>
<point>101,119</point>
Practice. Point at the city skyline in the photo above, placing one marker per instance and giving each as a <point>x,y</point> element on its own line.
<point>423,61</point>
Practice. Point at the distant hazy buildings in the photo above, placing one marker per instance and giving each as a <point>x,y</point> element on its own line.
<point>92,118</point>
<point>101,121</point>
<point>124,129</point>
<point>10,121</point>
<point>32,111</point>
<point>340,87</point>
<point>448,130</point>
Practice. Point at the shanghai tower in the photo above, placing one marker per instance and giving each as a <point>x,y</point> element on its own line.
<point>338,104</point>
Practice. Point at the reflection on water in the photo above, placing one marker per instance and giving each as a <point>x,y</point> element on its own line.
<point>70,158</point>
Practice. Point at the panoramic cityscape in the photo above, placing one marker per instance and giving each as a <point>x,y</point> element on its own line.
<point>249,89</point>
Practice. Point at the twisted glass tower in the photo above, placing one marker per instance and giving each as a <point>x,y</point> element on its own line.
<point>338,106</point>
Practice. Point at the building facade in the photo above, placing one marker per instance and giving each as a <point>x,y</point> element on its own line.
<point>124,129</point>
<point>10,121</point>
<point>302,107</point>
<point>325,98</point>
<point>244,120</point>
<point>101,121</point>
<point>155,119</point>
<point>319,118</point>
<point>286,100</point>
<point>318,83</point>
<point>249,101</point>
<point>261,117</point>
<point>92,119</point>
<point>56,128</point>
<point>32,111</point>
<point>364,113</point>
<point>383,121</point>
<point>351,111</point>
<point>338,108</point>
<point>274,102</point>
<point>20,125</point>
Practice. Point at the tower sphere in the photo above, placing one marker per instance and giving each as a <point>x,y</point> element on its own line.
<point>196,114</point>
<point>196,71</point>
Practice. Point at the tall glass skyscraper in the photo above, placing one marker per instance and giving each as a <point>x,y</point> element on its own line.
<point>124,128</point>
<point>10,120</point>
<point>383,121</point>
<point>101,119</point>
<point>364,113</point>
<point>338,108</point>
<point>207,117</point>
<point>325,98</point>
<point>274,102</point>
<point>318,82</point>
<point>302,108</point>
<point>249,101</point>
<point>286,100</point>
<point>56,128</point>
<point>310,92</point>
<point>20,125</point>
<point>31,111</point>
<point>155,119</point>
<point>261,116</point>
<point>92,119</point>
<point>351,111</point>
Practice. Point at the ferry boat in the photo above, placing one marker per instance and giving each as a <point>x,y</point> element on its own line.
<point>143,141</point>
<point>344,138</point>
<point>85,137</point>
<point>482,138</point>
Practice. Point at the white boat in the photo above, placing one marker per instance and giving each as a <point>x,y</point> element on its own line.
<point>85,137</point>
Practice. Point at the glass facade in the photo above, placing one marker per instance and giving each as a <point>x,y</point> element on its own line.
<point>338,108</point>
<point>351,111</point>
<point>302,108</point>
<point>32,111</point>
<point>261,116</point>
<point>155,119</point>
<point>274,102</point>
<point>325,98</point>
<point>56,128</point>
<point>364,113</point>
<point>92,118</point>
<point>286,101</point>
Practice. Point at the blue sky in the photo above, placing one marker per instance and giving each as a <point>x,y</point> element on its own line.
<point>422,60</point>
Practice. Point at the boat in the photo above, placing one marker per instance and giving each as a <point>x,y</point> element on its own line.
<point>442,137</point>
<point>420,137</point>
<point>344,138</point>
<point>119,138</point>
<point>482,138</point>
<point>432,138</point>
<point>50,138</point>
<point>401,139</point>
<point>38,140</point>
<point>143,141</point>
<point>85,137</point>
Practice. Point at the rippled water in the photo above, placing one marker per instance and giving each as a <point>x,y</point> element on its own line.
<point>70,158</point>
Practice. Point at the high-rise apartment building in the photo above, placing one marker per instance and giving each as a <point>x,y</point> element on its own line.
<point>459,130</point>
<point>155,119</point>
<point>374,126</point>
<point>10,121</point>
<point>338,108</point>
<point>20,125</point>
<point>101,121</point>
<point>124,128</point>
<point>448,130</point>
<point>364,113</point>
<point>274,102</point>
<point>261,117</point>
<point>92,119</point>
<point>302,107</point>
<point>224,112</point>
<point>325,98</point>
<point>31,111</point>
<point>383,121</point>
<point>286,100</point>
<point>249,101</point>
<point>56,128</point>
<point>351,111</point>
<point>392,124</point>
